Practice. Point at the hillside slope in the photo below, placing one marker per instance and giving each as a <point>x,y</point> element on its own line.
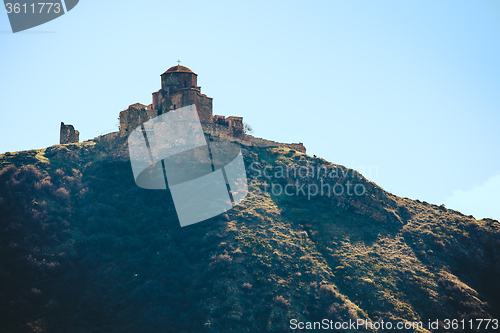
<point>86,250</point>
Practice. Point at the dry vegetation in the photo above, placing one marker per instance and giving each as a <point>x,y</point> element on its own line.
<point>85,250</point>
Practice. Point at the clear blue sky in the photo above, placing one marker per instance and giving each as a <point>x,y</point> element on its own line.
<point>408,87</point>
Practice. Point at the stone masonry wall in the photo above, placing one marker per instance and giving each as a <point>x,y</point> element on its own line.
<point>68,134</point>
<point>225,133</point>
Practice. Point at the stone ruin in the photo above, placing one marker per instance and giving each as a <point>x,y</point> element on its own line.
<point>68,134</point>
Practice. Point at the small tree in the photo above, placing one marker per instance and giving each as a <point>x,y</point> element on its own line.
<point>247,128</point>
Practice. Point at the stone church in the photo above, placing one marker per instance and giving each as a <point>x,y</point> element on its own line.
<point>179,88</point>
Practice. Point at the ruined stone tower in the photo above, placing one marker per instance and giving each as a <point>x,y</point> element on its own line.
<point>68,134</point>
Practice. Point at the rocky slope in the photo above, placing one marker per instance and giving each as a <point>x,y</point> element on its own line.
<point>85,250</point>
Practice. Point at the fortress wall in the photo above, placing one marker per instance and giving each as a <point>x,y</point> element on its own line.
<point>224,133</point>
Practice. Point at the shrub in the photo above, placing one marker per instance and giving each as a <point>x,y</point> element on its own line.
<point>247,286</point>
<point>281,302</point>
<point>247,128</point>
<point>62,194</point>
<point>329,293</point>
<point>221,262</point>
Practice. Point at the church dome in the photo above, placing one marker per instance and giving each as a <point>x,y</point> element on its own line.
<point>178,69</point>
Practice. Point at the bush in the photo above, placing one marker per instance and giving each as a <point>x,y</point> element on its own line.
<point>247,286</point>
<point>281,302</point>
<point>247,128</point>
<point>328,292</point>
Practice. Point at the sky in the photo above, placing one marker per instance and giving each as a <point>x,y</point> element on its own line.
<point>406,92</point>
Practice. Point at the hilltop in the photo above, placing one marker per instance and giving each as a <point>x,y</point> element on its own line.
<point>86,250</point>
